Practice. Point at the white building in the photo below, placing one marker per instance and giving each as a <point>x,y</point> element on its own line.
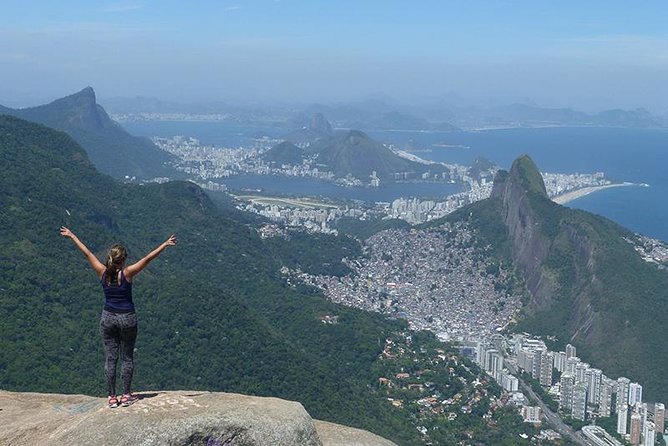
<point>649,433</point>
<point>622,392</point>
<point>606,390</point>
<point>560,361</point>
<point>546,363</point>
<point>566,397</point>
<point>531,414</point>
<point>593,378</point>
<point>635,394</point>
<point>579,405</point>
<point>622,419</point>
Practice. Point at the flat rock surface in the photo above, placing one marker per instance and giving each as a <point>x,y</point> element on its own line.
<point>337,435</point>
<point>168,418</point>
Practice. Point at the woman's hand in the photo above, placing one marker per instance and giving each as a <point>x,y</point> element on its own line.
<point>94,262</point>
<point>65,232</point>
<point>171,241</point>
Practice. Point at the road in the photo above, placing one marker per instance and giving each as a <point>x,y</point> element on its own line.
<point>552,419</point>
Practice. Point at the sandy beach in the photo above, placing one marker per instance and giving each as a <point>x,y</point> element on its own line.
<point>579,193</point>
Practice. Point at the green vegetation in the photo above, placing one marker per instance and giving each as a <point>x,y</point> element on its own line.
<point>425,382</point>
<point>284,153</point>
<point>529,175</point>
<point>314,253</point>
<point>363,229</point>
<point>540,391</point>
<point>109,147</point>
<point>610,426</point>
<point>354,152</point>
<point>575,424</point>
<point>604,295</point>
<point>214,312</point>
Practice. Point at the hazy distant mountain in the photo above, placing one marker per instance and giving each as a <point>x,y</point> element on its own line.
<point>109,147</point>
<point>528,115</point>
<point>521,113</point>
<point>216,313</point>
<point>638,118</point>
<point>587,284</point>
<point>354,152</point>
<point>284,153</point>
<point>371,115</point>
<point>395,120</point>
<point>318,127</point>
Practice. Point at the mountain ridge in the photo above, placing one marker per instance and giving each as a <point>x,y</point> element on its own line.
<point>110,148</point>
<point>236,300</point>
<point>587,285</point>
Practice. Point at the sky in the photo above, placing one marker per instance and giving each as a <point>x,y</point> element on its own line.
<point>588,55</point>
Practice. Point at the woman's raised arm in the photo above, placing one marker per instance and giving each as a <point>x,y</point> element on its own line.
<point>94,261</point>
<point>136,268</point>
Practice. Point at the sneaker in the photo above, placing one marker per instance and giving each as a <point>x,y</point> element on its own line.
<point>112,402</point>
<point>128,398</point>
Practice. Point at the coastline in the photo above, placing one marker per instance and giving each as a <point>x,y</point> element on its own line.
<point>579,193</point>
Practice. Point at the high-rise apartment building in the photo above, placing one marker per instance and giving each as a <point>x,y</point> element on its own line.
<point>635,394</point>
<point>566,398</point>
<point>560,361</point>
<point>579,405</point>
<point>622,419</point>
<point>546,363</point>
<point>648,434</point>
<point>605,397</point>
<point>636,427</point>
<point>581,372</point>
<point>593,378</point>
<point>623,392</point>
<point>659,417</point>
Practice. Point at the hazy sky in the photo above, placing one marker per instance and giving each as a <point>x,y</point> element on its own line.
<point>585,54</point>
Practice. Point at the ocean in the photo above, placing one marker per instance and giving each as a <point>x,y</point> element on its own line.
<point>633,155</point>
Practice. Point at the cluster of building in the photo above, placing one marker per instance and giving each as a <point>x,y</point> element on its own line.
<point>433,278</point>
<point>583,392</point>
<point>155,116</point>
<point>204,162</point>
<point>419,378</point>
<point>557,184</point>
<point>651,250</point>
<point>416,211</point>
<point>309,218</point>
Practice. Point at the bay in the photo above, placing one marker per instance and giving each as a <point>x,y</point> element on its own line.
<point>633,155</point>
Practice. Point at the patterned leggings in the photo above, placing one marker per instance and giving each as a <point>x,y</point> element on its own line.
<point>119,332</point>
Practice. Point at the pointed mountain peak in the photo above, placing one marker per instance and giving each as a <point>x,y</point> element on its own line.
<point>83,97</point>
<point>320,125</point>
<point>355,137</point>
<point>524,175</point>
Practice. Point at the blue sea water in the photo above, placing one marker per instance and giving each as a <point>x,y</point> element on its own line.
<point>633,155</point>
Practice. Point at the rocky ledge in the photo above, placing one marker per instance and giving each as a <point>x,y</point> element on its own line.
<point>168,418</point>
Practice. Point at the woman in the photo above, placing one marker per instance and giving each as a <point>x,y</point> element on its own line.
<point>118,324</point>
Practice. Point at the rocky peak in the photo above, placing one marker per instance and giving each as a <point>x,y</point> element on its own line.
<point>320,125</point>
<point>354,137</point>
<point>520,190</point>
<point>524,177</point>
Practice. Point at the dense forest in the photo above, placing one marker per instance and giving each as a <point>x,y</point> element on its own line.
<point>214,311</point>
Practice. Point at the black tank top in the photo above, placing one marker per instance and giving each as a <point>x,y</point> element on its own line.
<point>117,297</point>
